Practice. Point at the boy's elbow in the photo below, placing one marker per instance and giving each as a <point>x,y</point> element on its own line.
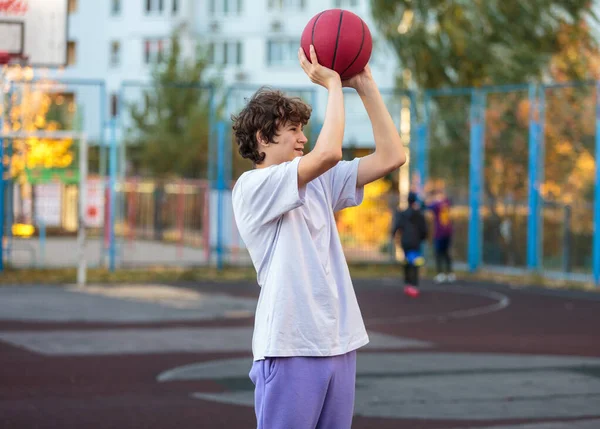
<point>393,161</point>
<point>332,157</point>
<point>399,160</point>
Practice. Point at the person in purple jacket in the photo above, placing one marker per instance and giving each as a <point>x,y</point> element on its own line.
<point>440,205</point>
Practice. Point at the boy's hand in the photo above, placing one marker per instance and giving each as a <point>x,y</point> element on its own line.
<point>317,73</point>
<point>361,81</point>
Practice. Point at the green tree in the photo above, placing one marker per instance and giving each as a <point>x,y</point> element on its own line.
<point>170,130</point>
<point>476,42</point>
<point>568,155</point>
<point>473,43</point>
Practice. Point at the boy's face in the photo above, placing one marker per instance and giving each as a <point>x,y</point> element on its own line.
<point>288,145</point>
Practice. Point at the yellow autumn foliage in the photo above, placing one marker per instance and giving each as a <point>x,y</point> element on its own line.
<point>367,225</point>
<point>29,113</point>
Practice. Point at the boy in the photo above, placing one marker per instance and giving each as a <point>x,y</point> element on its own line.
<point>440,205</point>
<point>308,323</point>
<point>411,224</point>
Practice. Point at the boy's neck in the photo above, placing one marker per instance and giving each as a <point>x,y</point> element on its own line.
<point>266,164</point>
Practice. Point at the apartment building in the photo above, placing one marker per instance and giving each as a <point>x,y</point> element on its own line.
<point>248,42</point>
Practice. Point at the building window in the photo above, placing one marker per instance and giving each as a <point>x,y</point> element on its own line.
<point>72,6</point>
<point>287,4</point>
<point>282,52</point>
<point>115,53</point>
<point>239,54</point>
<point>115,7</point>
<point>225,7</point>
<point>71,53</point>
<point>225,53</point>
<point>154,51</point>
<point>114,105</point>
<point>155,6</point>
<point>345,3</point>
<point>175,7</point>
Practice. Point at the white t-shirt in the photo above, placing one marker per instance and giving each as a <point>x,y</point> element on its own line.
<point>307,305</point>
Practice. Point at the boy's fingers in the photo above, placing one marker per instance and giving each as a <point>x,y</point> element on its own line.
<point>313,55</point>
<point>301,55</point>
<point>302,59</point>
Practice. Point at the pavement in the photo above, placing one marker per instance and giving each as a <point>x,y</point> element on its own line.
<point>466,355</point>
<point>55,252</point>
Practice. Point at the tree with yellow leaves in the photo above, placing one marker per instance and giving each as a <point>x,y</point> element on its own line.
<point>32,110</point>
<point>365,228</point>
<point>567,161</point>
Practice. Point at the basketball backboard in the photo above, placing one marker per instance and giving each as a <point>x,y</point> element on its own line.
<point>36,30</point>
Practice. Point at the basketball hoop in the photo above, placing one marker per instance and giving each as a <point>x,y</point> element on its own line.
<point>4,58</point>
<point>14,7</point>
<point>11,66</point>
<point>8,59</point>
<point>34,32</point>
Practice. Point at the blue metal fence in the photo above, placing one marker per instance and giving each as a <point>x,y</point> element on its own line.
<point>467,137</point>
<point>449,107</point>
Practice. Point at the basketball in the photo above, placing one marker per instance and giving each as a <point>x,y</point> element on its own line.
<point>342,41</point>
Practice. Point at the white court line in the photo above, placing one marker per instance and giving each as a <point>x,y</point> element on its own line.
<point>161,340</point>
<point>581,424</point>
<point>502,301</point>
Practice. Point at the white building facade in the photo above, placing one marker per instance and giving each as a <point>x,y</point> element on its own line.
<point>248,42</point>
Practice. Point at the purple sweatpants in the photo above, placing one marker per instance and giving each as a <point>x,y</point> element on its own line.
<point>304,392</point>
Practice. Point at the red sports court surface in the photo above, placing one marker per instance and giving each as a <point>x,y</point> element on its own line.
<point>157,356</point>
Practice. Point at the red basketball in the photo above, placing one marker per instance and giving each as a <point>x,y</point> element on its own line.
<point>341,39</point>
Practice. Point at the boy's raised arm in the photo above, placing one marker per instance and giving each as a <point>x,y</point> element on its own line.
<point>389,152</point>
<point>328,148</point>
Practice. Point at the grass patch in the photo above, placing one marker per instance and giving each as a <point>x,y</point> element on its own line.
<point>137,275</point>
<point>531,279</point>
<point>59,276</point>
<point>164,274</point>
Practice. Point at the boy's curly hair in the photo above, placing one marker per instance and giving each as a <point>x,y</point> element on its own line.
<point>265,112</point>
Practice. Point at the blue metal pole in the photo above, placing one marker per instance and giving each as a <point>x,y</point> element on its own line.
<point>121,165</point>
<point>504,88</point>
<point>447,92</point>
<point>575,84</point>
<point>422,151</point>
<point>212,119</point>
<point>220,190</point>
<point>102,149</point>
<point>423,143</point>
<point>475,181</point>
<point>481,140</point>
<point>212,143</point>
<point>112,250</point>
<point>227,156</point>
<point>225,148</point>
<point>413,142</point>
<point>596,249</point>
<point>541,143</point>
<point>533,221</point>
<point>9,199</point>
<point>42,258</point>
<point>2,168</point>
<point>43,82</point>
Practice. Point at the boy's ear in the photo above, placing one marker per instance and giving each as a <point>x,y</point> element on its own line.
<point>262,141</point>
